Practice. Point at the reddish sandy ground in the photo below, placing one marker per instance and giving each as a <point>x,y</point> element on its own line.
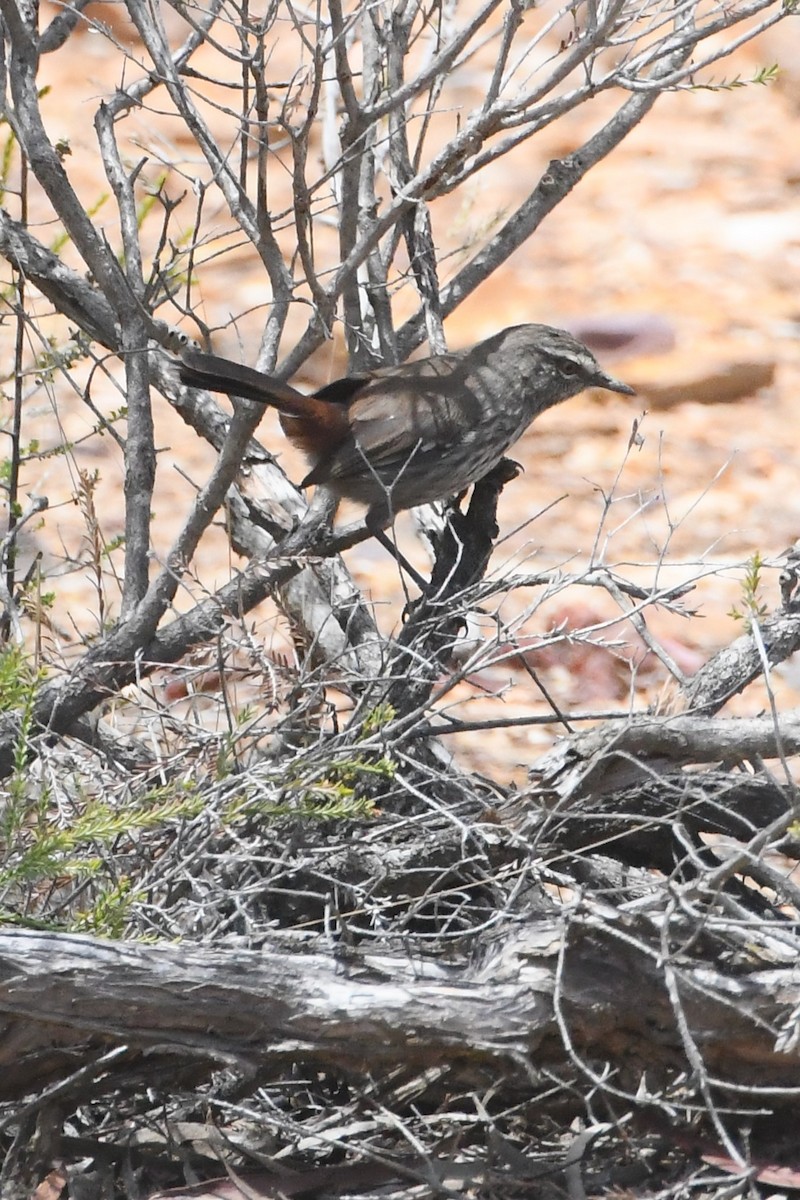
<point>693,220</point>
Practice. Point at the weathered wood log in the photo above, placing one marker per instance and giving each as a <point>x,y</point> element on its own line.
<point>67,1000</point>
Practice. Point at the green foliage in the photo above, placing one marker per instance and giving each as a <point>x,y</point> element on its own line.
<point>344,790</point>
<point>19,683</point>
<point>61,849</point>
<point>54,851</point>
<point>18,679</point>
<point>63,239</point>
<point>764,76</point>
<point>753,607</point>
<point>31,450</point>
<point>325,800</point>
<point>6,160</point>
<point>381,716</point>
<point>227,757</point>
<point>41,850</point>
<point>114,544</point>
<point>151,199</point>
<point>39,600</point>
<point>58,358</point>
<point>108,914</point>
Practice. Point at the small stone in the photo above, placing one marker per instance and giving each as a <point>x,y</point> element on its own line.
<point>624,335</point>
<point>703,383</point>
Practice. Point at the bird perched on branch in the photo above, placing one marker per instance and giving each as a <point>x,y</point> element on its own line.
<point>397,437</point>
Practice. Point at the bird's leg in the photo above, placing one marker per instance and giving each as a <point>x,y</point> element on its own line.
<point>319,517</point>
<point>375,521</point>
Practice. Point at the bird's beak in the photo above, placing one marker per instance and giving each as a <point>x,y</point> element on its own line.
<point>612,385</point>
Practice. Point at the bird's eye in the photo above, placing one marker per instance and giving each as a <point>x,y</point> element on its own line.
<point>570,368</point>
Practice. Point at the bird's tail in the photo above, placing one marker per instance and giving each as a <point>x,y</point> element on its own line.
<point>217,374</point>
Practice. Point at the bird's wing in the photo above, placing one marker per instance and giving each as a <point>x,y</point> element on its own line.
<point>400,413</point>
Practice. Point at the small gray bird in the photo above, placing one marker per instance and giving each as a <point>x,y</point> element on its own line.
<point>402,436</point>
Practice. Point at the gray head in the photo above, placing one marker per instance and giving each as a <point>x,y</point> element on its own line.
<point>555,357</point>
